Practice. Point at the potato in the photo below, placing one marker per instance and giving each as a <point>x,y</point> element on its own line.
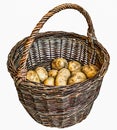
<point>75,72</point>
<point>62,77</point>
<point>78,77</point>
<point>42,73</point>
<point>90,70</point>
<point>60,81</point>
<point>32,76</point>
<point>59,63</point>
<point>52,73</point>
<point>74,65</point>
<point>49,81</point>
<point>64,73</point>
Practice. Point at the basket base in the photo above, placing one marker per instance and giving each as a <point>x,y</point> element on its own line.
<point>61,121</point>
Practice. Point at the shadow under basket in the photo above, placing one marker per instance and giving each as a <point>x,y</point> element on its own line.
<point>57,106</point>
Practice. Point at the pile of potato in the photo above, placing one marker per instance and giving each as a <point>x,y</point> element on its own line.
<point>62,73</point>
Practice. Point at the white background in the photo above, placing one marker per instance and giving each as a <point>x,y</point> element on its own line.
<point>17,20</point>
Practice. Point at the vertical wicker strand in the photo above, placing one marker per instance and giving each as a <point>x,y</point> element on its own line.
<point>38,50</point>
<point>31,56</point>
<point>82,54</point>
<point>80,51</point>
<point>36,53</point>
<point>29,60</point>
<point>71,49</point>
<point>61,47</point>
<point>86,54</point>
<point>92,57</point>
<point>50,50</point>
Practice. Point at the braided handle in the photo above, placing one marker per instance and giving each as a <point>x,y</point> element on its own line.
<point>90,32</point>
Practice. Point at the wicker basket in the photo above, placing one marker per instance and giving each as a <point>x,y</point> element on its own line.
<point>60,106</point>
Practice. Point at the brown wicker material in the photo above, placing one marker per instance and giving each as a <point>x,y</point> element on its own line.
<point>57,106</point>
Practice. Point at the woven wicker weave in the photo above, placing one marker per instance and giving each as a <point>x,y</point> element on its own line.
<point>57,106</point>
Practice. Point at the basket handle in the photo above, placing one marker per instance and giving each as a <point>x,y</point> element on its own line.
<point>21,71</point>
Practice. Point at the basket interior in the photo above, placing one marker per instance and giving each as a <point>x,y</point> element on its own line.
<point>67,45</point>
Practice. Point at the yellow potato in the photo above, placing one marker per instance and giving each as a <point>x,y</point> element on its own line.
<point>60,81</point>
<point>90,70</point>
<point>78,77</point>
<point>49,81</point>
<point>42,73</point>
<point>75,72</point>
<point>64,73</point>
<point>74,65</point>
<point>59,63</point>
<point>62,77</point>
<point>32,76</point>
<point>52,73</point>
